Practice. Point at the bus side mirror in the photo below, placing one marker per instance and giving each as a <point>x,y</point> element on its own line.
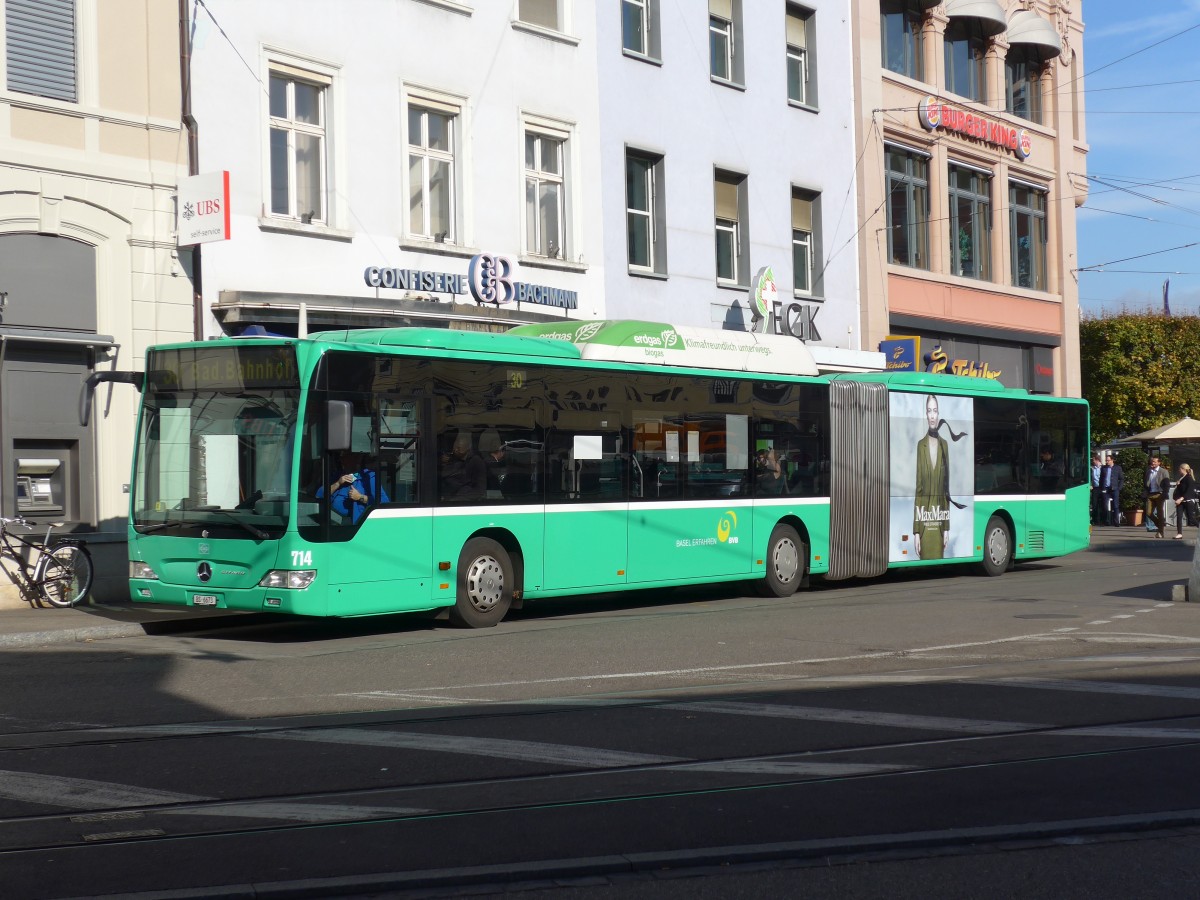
<point>339,417</point>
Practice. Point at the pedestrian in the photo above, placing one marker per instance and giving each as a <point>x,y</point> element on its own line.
<point>1114,477</point>
<point>1098,488</point>
<point>1157,482</point>
<point>1185,502</point>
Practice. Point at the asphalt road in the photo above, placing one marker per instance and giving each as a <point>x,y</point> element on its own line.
<point>943,735</point>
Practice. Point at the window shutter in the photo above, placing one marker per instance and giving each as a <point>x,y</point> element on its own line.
<point>40,46</point>
<point>540,12</point>
<point>721,8</point>
<point>802,214</point>
<point>796,32</point>
<point>727,201</point>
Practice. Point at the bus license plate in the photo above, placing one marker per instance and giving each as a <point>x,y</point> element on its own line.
<point>204,600</point>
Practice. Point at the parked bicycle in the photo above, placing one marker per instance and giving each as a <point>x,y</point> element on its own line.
<point>54,571</point>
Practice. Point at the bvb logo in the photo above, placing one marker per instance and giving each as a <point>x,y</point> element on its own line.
<point>727,523</point>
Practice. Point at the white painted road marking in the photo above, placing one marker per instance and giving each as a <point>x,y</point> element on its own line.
<point>83,793</point>
<point>1097,687</point>
<point>558,754</point>
<point>855,717</point>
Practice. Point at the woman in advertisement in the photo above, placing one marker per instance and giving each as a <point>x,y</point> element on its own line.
<point>931,507</point>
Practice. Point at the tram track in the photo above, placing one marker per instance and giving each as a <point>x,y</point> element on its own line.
<point>403,801</point>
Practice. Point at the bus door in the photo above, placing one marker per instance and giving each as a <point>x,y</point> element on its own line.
<point>376,517</point>
<point>859,487</point>
<point>689,495</point>
<point>586,543</point>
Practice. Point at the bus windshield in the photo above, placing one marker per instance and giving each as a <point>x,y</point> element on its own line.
<point>215,446</point>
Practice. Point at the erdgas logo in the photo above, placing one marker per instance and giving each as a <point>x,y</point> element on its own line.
<point>670,337</point>
<point>725,527</point>
<point>584,332</point>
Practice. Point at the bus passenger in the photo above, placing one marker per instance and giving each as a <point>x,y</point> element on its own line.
<point>357,489</point>
<point>464,473</point>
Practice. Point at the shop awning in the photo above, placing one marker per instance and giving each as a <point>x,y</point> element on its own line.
<point>52,336</point>
<point>989,14</point>
<point>1034,32</point>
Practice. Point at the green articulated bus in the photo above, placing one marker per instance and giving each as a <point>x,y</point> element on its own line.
<point>351,473</point>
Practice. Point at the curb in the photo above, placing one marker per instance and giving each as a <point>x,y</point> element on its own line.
<point>537,874</point>
<point>88,633</point>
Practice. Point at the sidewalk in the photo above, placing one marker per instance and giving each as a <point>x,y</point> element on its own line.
<point>29,627</point>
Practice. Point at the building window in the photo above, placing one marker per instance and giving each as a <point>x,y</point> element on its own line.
<point>725,40</point>
<point>900,23</point>
<point>908,207</point>
<point>970,223</point>
<point>1023,84</point>
<point>1027,224</point>
<point>644,223</point>
<point>805,250</point>
<point>39,40</point>
<point>800,81</point>
<point>544,13</point>
<point>730,202</point>
<point>635,26</point>
<point>545,194</point>
<point>431,174</point>
<point>297,103</point>
<point>966,54</point>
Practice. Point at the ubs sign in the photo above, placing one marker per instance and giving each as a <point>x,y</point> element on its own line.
<point>488,280</point>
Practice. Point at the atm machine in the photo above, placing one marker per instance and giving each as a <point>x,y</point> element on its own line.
<point>39,486</point>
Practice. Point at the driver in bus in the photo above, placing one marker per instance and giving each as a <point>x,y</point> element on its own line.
<point>353,492</point>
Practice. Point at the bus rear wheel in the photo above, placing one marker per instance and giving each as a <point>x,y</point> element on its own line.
<point>787,558</point>
<point>485,584</point>
<point>997,548</point>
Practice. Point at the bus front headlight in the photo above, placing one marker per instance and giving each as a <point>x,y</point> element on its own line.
<point>297,579</point>
<point>139,569</point>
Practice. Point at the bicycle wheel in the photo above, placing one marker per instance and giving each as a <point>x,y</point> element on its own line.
<point>66,575</point>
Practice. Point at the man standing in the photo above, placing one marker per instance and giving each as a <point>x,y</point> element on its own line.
<point>1114,476</point>
<point>1157,482</point>
<point>1098,487</point>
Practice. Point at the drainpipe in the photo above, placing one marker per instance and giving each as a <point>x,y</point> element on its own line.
<point>193,144</point>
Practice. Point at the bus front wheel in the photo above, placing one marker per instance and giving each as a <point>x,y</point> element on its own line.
<point>485,584</point>
<point>787,557</point>
<point>997,548</point>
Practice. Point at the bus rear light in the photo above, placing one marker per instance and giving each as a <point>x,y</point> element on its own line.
<point>296,579</point>
<point>139,569</point>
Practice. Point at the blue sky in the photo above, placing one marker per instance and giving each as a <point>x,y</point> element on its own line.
<point>1142,94</point>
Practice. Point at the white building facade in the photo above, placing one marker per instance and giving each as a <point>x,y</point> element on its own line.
<point>729,148</point>
<point>377,151</point>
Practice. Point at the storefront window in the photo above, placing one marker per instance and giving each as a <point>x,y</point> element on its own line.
<point>1027,225</point>
<point>1023,84</point>
<point>900,31</point>
<point>966,50</point>
<point>908,207</point>
<point>970,223</point>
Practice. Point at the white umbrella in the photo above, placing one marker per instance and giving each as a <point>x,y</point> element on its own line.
<point>1182,431</point>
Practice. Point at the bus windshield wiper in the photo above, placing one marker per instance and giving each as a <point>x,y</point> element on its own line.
<point>253,529</point>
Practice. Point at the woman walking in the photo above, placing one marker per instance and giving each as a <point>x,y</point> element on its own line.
<point>1185,503</point>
